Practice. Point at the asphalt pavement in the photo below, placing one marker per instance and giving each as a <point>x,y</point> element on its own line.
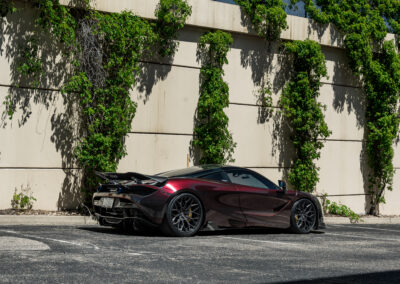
<point>343,253</point>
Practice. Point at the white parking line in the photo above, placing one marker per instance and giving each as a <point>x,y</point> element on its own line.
<point>84,245</point>
<point>134,253</point>
<point>261,241</point>
<point>53,240</point>
<point>368,228</point>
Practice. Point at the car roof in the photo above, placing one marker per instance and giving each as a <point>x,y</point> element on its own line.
<point>196,171</point>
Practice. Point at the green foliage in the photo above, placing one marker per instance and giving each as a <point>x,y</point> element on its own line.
<point>102,79</point>
<point>363,22</point>
<point>267,16</point>
<point>340,209</point>
<point>22,199</point>
<point>30,64</point>
<point>6,7</point>
<point>107,110</point>
<point>171,17</point>
<point>304,113</point>
<point>211,133</point>
<point>58,20</point>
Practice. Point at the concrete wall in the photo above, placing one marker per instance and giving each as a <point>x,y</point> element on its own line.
<point>36,146</point>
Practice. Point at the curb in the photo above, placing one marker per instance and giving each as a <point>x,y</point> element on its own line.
<point>363,220</point>
<point>46,220</point>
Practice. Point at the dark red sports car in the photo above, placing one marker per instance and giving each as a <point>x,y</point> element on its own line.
<point>182,202</point>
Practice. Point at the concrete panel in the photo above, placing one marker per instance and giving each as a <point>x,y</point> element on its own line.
<point>340,171</point>
<point>258,144</point>
<point>250,68</point>
<point>345,112</point>
<point>392,206</point>
<point>172,104</point>
<point>396,159</point>
<point>339,72</point>
<point>151,154</point>
<point>42,132</point>
<point>54,189</point>
<point>186,53</point>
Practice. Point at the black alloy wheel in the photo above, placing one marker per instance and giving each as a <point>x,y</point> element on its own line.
<point>184,216</point>
<point>303,216</point>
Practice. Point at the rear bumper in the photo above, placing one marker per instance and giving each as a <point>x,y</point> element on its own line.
<point>150,208</point>
<point>117,220</point>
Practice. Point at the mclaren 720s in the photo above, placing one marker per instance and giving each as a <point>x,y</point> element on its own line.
<point>182,202</point>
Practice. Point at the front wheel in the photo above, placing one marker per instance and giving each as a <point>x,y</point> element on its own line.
<point>303,216</point>
<point>184,216</point>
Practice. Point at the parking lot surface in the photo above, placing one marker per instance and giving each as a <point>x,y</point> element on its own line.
<point>340,254</point>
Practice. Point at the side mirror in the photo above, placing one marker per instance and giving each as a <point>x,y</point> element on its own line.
<point>282,185</point>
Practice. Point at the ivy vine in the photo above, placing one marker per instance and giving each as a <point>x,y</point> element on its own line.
<point>268,17</point>
<point>104,50</point>
<point>211,133</point>
<point>171,17</point>
<point>304,112</point>
<point>107,109</point>
<point>365,24</point>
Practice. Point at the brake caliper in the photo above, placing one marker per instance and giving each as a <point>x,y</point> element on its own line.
<point>190,214</point>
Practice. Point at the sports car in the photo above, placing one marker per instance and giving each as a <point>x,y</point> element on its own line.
<point>182,202</point>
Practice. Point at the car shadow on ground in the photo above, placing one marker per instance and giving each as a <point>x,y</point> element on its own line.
<point>122,231</point>
<point>250,231</point>
<point>153,232</point>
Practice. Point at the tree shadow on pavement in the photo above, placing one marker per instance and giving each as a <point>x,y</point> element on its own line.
<point>364,278</point>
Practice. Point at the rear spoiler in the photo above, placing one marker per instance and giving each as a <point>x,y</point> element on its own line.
<point>129,176</point>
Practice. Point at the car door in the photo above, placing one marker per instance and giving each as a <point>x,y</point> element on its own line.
<point>223,203</point>
<point>261,201</point>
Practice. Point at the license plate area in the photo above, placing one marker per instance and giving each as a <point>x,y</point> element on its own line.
<point>107,202</point>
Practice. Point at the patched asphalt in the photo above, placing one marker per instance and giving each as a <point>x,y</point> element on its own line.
<point>352,253</point>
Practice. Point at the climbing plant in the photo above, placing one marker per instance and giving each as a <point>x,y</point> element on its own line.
<point>211,133</point>
<point>171,17</point>
<point>365,24</point>
<point>268,17</point>
<point>104,50</point>
<point>107,109</point>
<point>304,112</point>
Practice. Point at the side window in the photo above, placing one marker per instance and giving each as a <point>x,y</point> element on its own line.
<point>216,176</point>
<point>245,178</point>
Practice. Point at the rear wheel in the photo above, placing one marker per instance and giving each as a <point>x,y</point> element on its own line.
<point>303,216</point>
<point>184,216</point>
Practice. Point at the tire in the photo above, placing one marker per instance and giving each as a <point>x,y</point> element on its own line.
<point>303,216</point>
<point>184,216</point>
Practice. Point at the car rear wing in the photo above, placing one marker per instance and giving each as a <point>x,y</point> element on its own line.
<point>138,178</point>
